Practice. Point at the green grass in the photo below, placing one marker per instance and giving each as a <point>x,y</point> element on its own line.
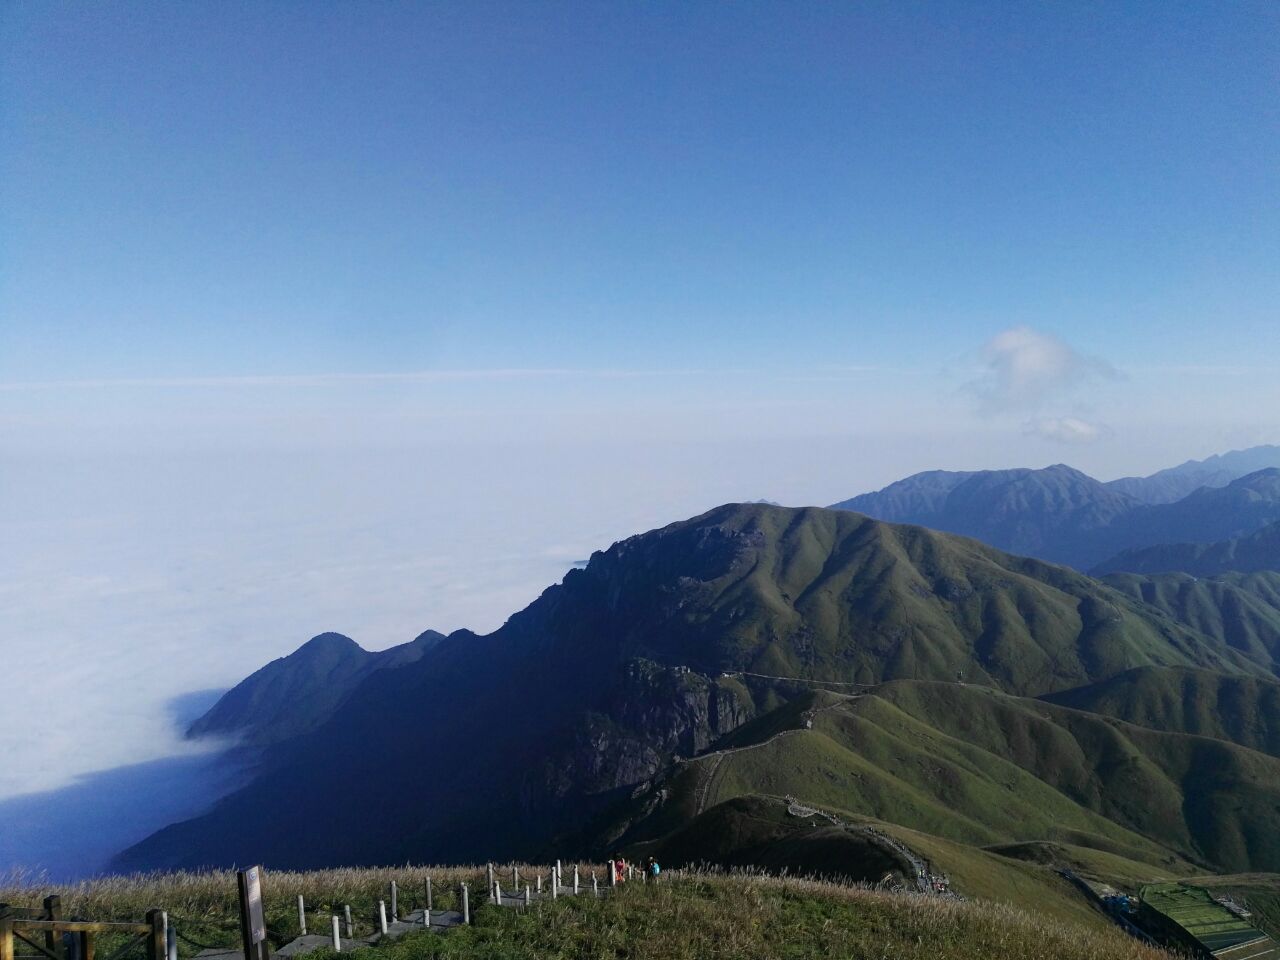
<point>1260,892</point>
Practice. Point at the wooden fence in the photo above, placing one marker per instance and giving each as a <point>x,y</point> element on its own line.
<point>45,932</point>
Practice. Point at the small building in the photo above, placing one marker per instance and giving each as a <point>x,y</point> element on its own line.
<point>1189,918</point>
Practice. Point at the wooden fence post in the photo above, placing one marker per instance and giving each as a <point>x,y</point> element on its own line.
<point>346,915</point>
<point>491,879</point>
<point>52,911</point>
<point>395,903</point>
<point>595,885</point>
<point>155,939</point>
<point>429,904</point>
<point>337,938</point>
<point>6,940</point>
<point>613,873</point>
<point>302,916</point>
<point>528,895</point>
<point>515,877</point>
<point>466,906</point>
<point>382,916</point>
<point>497,893</point>
<point>576,885</point>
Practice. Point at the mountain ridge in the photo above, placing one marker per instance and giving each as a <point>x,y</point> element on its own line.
<point>665,644</point>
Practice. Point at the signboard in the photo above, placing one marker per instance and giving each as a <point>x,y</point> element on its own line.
<point>253,925</point>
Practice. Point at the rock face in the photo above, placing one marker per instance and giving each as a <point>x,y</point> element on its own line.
<point>654,714</point>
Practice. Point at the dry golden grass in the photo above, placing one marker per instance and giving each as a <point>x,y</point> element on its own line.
<point>688,916</point>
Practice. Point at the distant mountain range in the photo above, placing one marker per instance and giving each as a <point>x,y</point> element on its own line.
<point>1174,483</point>
<point>1257,551</point>
<point>1060,514</point>
<point>920,678</point>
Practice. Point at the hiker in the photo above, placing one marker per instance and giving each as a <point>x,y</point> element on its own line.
<point>653,869</point>
<point>620,870</point>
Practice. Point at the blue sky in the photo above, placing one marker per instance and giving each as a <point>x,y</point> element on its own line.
<point>221,189</point>
<point>376,317</point>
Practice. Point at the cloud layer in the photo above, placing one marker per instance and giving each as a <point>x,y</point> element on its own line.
<point>1024,368</point>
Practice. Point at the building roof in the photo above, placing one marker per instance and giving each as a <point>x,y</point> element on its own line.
<point>1220,931</point>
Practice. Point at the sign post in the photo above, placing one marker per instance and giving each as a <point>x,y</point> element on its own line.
<point>253,925</point>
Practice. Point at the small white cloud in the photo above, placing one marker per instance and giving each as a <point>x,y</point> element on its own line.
<point>1064,429</point>
<point>1023,367</point>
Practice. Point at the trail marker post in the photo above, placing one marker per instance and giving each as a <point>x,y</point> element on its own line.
<point>382,916</point>
<point>253,925</point>
<point>576,885</point>
<point>302,916</point>
<point>466,905</point>
<point>351,927</point>
<point>395,902</point>
<point>337,937</point>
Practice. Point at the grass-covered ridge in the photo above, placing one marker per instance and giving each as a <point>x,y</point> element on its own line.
<point>683,918</point>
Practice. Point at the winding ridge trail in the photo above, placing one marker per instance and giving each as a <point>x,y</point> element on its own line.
<point>717,756</point>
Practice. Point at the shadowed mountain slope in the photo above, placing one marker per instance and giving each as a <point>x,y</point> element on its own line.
<point>295,694</point>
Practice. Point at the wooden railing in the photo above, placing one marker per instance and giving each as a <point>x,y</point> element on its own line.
<point>43,931</point>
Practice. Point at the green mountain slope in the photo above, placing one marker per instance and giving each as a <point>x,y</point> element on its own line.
<point>985,768</point>
<point>1239,610</point>
<point>1243,710</point>
<point>681,637</point>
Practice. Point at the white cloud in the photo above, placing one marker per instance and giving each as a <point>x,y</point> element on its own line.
<point>1064,429</point>
<point>1023,367</point>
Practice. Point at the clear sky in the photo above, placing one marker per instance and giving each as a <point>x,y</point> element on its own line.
<point>376,316</point>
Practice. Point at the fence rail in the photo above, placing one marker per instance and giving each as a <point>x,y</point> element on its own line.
<point>75,939</point>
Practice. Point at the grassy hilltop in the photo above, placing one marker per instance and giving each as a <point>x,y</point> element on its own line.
<point>685,917</point>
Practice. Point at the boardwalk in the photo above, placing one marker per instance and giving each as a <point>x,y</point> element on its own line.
<point>311,942</point>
